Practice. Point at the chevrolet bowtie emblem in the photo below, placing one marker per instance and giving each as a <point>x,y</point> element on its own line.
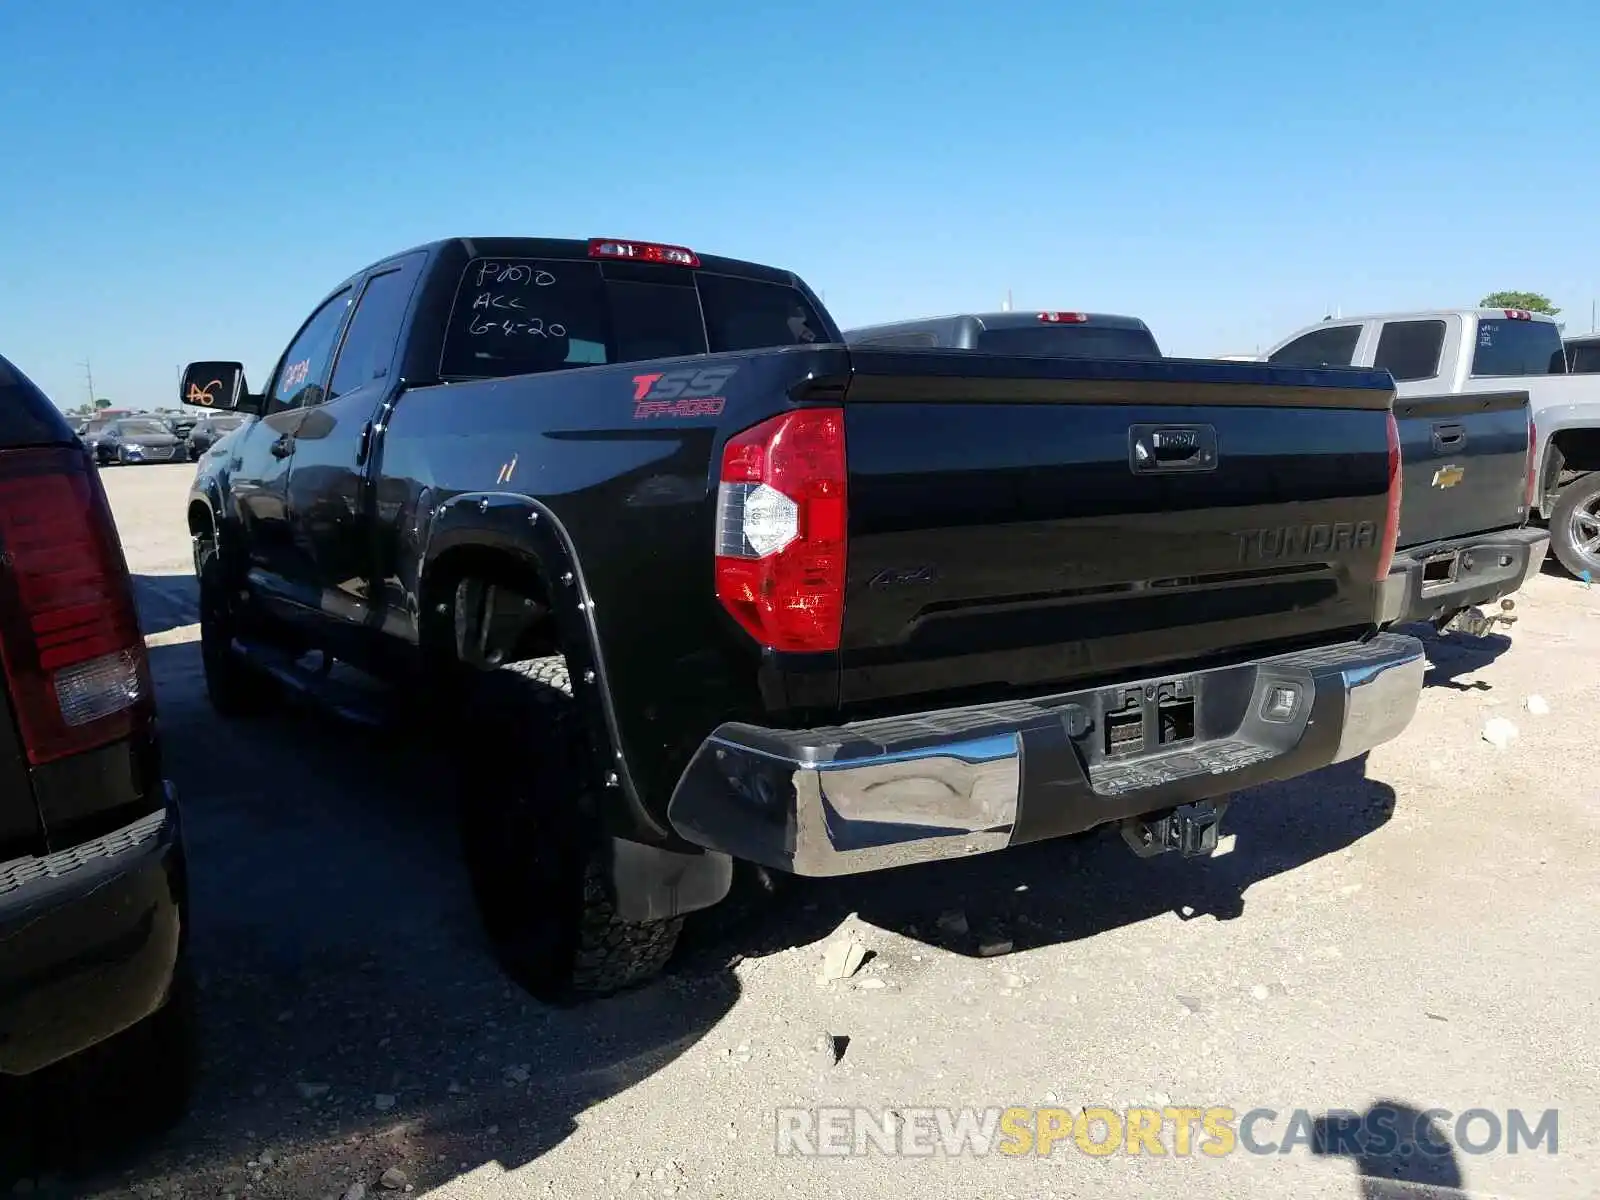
<point>1448,476</point>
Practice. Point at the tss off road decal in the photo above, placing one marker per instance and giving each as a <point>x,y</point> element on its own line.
<point>691,392</point>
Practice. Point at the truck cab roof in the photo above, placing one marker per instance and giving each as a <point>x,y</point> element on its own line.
<point>573,248</point>
<point>1049,334</point>
<point>1432,350</point>
<point>1420,314</point>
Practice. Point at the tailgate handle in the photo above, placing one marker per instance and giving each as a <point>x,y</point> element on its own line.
<point>1449,437</point>
<point>1154,448</point>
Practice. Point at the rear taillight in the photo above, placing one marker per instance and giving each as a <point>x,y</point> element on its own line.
<point>69,634</point>
<point>1391,519</point>
<point>781,529</point>
<point>1063,318</point>
<point>1533,467</point>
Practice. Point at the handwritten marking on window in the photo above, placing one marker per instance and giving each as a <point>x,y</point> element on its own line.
<point>523,273</point>
<point>491,300</point>
<point>532,327</point>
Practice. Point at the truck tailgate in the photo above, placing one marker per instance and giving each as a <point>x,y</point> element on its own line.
<point>1017,525</point>
<point>1464,465</point>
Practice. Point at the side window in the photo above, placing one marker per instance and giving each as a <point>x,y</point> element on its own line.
<point>374,329</point>
<point>305,365</point>
<point>1333,346</point>
<point>1410,349</point>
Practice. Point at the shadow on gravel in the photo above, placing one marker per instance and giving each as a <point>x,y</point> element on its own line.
<point>1064,891</point>
<point>1452,655</point>
<point>1400,1152</point>
<point>353,1019</point>
<point>166,602</point>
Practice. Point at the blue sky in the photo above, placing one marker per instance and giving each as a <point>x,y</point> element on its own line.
<point>184,181</point>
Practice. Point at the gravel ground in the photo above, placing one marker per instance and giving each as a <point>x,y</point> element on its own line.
<point>1412,929</point>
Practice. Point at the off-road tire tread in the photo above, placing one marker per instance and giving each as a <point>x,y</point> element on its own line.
<point>602,953</point>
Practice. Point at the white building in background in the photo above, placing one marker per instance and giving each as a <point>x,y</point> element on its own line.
<point>1239,357</point>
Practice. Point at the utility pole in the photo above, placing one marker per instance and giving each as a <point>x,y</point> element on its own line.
<point>1008,301</point>
<point>88,372</point>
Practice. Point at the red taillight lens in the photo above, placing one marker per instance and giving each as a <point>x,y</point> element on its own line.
<point>1533,467</point>
<point>781,519</point>
<point>650,252</point>
<point>1391,519</point>
<point>1063,318</point>
<point>69,634</point>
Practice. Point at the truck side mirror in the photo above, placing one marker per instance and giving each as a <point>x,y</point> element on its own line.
<point>218,386</point>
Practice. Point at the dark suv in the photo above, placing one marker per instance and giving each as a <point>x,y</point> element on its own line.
<point>95,1005</point>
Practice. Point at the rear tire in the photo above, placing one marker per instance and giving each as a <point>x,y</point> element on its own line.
<point>1575,526</point>
<point>234,688</point>
<point>531,839</point>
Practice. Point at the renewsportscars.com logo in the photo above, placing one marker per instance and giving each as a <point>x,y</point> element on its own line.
<point>1177,1131</point>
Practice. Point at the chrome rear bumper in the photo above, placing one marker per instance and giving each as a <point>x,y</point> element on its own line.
<point>889,792</point>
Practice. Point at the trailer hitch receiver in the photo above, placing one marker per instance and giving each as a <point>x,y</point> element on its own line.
<point>1193,830</point>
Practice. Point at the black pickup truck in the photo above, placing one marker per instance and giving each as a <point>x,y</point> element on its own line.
<point>691,581</point>
<point>1467,471</point>
<point>95,1006</point>
<point>1467,460</point>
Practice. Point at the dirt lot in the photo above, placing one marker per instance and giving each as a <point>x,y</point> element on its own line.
<point>1414,930</point>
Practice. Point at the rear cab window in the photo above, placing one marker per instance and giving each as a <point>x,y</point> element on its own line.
<point>516,316</point>
<point>917,340</point>
<point>1069,341</point>
<point>1507,346</point>
<point>1584,358</point>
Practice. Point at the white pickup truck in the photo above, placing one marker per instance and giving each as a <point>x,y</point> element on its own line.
<point>1583,354</point>
<point>1483,351</point>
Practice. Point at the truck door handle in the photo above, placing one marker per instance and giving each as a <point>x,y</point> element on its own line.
<point>1449,437</point>
<point>283,447</point>
<point>1172,448</point>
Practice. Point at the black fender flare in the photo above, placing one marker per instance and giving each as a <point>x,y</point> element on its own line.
<point>206,491</point>
<point>653,873</point>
